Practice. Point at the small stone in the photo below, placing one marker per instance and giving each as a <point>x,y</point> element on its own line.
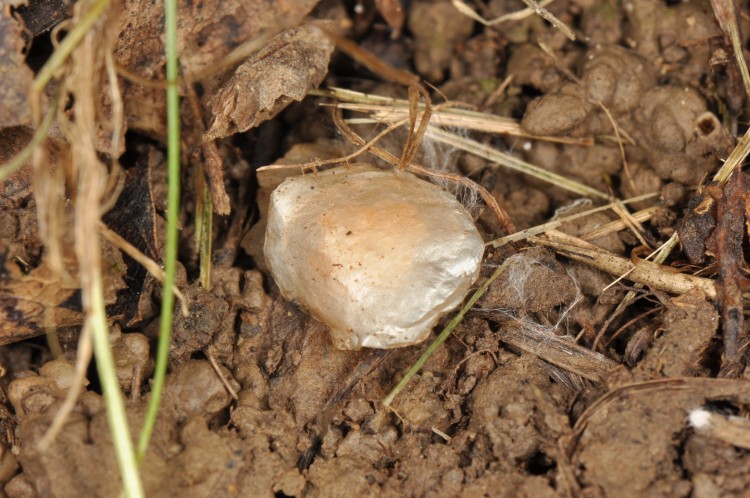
<point>379,256</point>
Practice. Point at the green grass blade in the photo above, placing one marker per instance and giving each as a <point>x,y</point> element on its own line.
<point>173,208</point>
<point>118,421</point>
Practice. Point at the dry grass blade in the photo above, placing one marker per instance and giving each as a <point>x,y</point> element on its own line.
<point>617,225</point>
<point>630,222</point>
<point>549,17</point>
<point>735,159</point>
<point>513,163</point>
<point>414,138</point>
<point>513,16</point>
<point>645,272</point>
<point>453,117</point>
<point>149,264</point>
<point>215,365</point>
<point>91,177</point>
<point>551,225</point>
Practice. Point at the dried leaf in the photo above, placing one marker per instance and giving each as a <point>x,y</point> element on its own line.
<point>32,304</point>
<point>294,62</point>
<point>208,31</point>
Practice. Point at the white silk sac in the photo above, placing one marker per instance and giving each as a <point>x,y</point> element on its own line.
<point>379,256</point>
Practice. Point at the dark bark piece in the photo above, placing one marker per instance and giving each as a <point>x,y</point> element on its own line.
<point>134,219</point>
<point>698,223</point>
<point>726,243</point>
<point>40,15</point>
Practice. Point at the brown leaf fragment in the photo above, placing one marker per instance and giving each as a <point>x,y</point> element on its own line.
<point>699,222</point>
<point>726,243</point>
<point>393,13</point>
<point>293,63</point>
<point>208,31</point>
<point>31,305</point>
<point>16,75</point>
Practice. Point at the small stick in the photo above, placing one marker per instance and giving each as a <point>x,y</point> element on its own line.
<point>645,272</point>
<point>222,378</point>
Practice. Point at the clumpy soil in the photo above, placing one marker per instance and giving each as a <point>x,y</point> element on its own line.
<point>545,389</point>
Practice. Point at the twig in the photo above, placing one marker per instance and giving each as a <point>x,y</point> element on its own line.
<point>645,272</point>
<point>221,376</point>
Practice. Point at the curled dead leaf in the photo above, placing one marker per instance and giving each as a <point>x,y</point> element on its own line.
<point>293,63</point>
